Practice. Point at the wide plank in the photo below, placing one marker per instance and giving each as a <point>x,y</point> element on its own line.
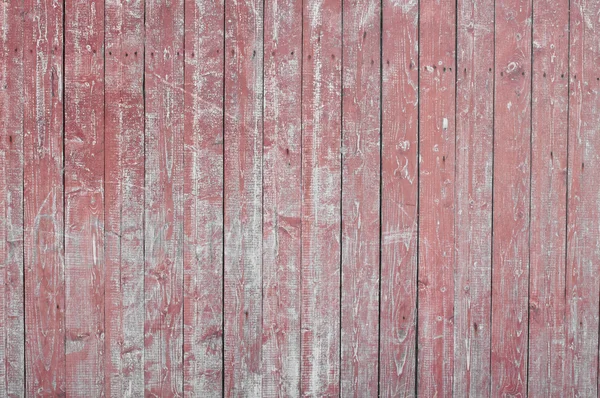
<point>282,185</point>
<point>203,199</point>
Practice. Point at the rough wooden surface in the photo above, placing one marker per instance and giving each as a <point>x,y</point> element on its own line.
<point>43,190</point>
<point>85,270</point>
<point>124,198</point>
<point>282,184</point>
<point>294,198</point>
<point>203,199</point>
<point>12,364</point>
<point>164,147</point>
<point>549,118</point>
<point>473,212</point>
<point>435,359</point>
<point>243,197</point>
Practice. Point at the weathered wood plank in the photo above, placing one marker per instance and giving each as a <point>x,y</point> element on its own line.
<point>124,200</point>
<point>203,198</point>
<point>321,197</point>
<point>435,362</point>
<point>282,184</point>
<point>12,327</point>
<point>399,129</point>
<point>360,198</point>
<point>548,198</point>
<point>583,218</point>
<point>243,196</point>
<point>164,145</point>
<point>84,197</point>
<point>511,189</point>
<point>473,212</point>
<point>43,190</point>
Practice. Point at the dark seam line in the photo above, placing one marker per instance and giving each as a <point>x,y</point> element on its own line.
<point>24,324</point>
<point>262,195</point>
<point>530,194</point>
<point>418,198</point>
<point>103,50</point>
<point>301,189</point>
<point>491,272</point>
<point>182,214</point>
<point>380,192</point>
<point>341,197</point>
<point>566,259</point>
<point>144,199</point>
<point>223,211</point>
<point>64,187</point>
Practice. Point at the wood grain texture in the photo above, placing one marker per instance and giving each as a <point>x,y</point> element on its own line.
<point>282,185</point>
<point>43,197</point>
<point>84,197</point>
<point>512,138</point>
<point>583,218</point>
<point>360,198</point>
<point>321,198</point>
<point>164,176</point>
<point>399,197</point>
<point>12,327</point>
<point>203,198</point>
<point>549,119</point>
<point>124,200</point>
<point>473,212</point>
<point>435,362</point>
<point>243,197</point>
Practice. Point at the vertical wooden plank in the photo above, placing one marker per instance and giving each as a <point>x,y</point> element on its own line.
<point>360,198</point>
<point>43,190</point>
<point>243,196</point>
<point>282,198</point>
<point>164,80</point>
<point>583,236</point>
<point>399,129</point>
<point>548,198</point>
<point>436,198</point>
<point>321,197</point>
<point>84,197</point>
<point>203,198</point>
<point>12,330</point>
<point>512,138</point>
<point>124,211</point>
<point>473,212</point>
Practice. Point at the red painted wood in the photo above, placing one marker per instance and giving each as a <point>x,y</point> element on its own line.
<point>282,185</point>
<point>436,198</point>
<point>12,344</point>
<point>583,258</point>
<point>43,196</point>
<point>547,348</point>
<point>84,197</point>
<point>360,198</point>
<point>321,197</point>
<point>164,175</point>
<point>243,197</point>
<point>124,201</point>
<point>399,198</point>
<point>473,190</point>
<point>510,263</point>
<point>203,198</point>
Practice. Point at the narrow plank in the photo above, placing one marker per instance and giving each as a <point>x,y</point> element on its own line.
<point>282,184</point>
<point>243,196</point>
<point>549,115</point>
<point>84,197</point>
<point>321,197</point>
<point>124,200</point>
<point>43,190</point>
<point>164,144</point>
<point>473,212</point>
<point>360,198</point>
<point>512,138</point>
<point>399,197</point>
<point>12,329</point>
<point>583,217</point>
<point>435,364</point>
<point>203,198</point>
